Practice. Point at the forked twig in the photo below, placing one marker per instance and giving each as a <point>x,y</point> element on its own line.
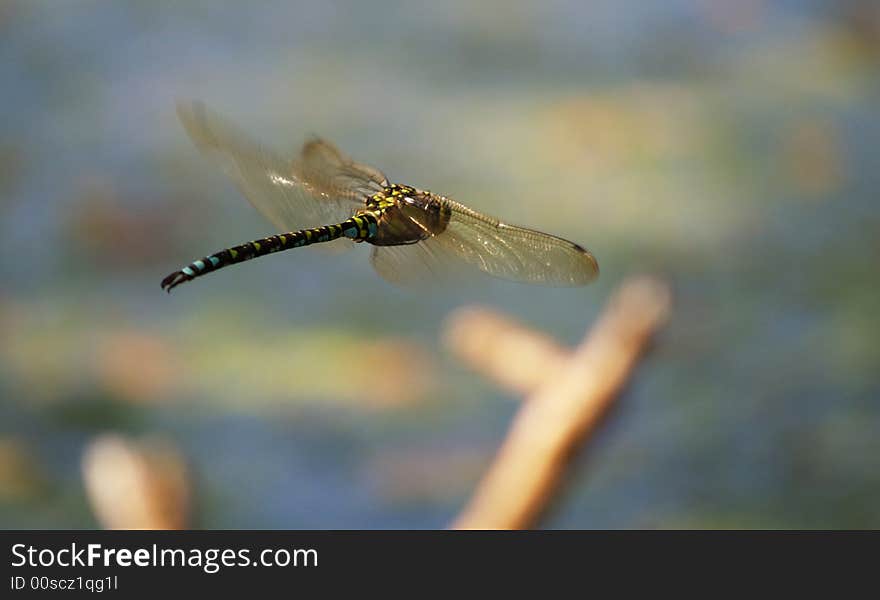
<point>570,392</point>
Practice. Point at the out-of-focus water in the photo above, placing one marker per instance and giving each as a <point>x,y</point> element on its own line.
<point>729,146</point>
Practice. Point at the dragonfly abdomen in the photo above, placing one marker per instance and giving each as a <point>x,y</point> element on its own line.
<point>359,227</point>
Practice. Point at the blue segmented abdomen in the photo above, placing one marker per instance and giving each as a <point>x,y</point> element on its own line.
<point>359,227</point>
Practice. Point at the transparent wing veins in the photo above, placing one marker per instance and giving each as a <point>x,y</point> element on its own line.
<point>482,242</point>
<point>320,186</point>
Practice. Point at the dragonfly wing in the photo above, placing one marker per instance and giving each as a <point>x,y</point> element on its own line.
<point>306,192</point>
<point>335,173</point>
<point>502,250</point>
<point>416,265</point>
<point>515,253</point>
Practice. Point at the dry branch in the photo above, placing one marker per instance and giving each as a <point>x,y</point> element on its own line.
<point>517,358</point>
<point>566,404</point>
<point>136,484</point>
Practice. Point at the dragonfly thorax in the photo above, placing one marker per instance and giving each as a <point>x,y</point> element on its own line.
<point>407,215</point>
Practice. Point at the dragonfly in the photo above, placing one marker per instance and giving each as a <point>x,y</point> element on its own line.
<point>322,195</point>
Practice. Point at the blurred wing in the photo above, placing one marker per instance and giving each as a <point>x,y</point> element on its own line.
<point>416,265</point>
<point>501,250</point>
<point>334,173</point>
<point>321,186</point>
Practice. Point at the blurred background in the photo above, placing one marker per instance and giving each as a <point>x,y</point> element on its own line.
<point>730,146</point>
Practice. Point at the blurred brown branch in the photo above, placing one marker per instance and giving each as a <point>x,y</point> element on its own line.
<point>517,358</point>
<point>136,484</point>
<point>570,392</point>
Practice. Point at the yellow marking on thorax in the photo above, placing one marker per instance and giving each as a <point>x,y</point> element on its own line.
<point>390,196</point>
